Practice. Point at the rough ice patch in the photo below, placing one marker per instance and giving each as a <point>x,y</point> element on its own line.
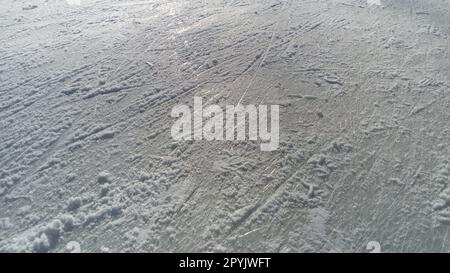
<point>73,247</point>
<point>374,2</point>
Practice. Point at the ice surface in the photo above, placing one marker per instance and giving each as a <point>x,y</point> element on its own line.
<point>87,162</point>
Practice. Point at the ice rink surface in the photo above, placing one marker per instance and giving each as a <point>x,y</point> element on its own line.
<point>87,162</point>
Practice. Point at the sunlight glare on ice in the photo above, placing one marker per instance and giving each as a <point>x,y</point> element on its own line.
<point>374,2</point>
